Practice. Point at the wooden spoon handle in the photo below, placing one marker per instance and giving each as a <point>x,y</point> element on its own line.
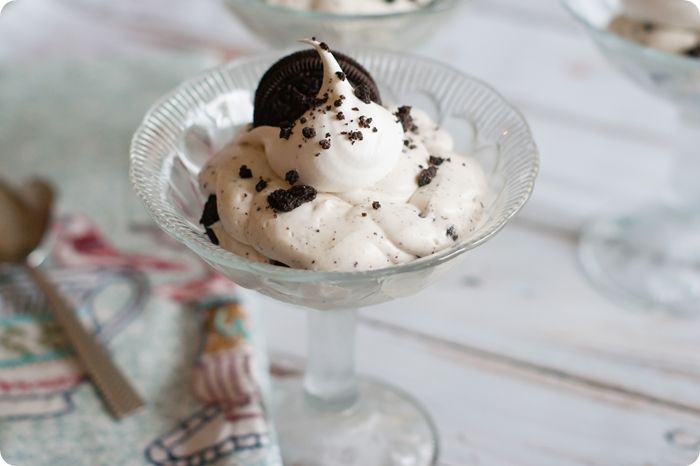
<point>119,395</point>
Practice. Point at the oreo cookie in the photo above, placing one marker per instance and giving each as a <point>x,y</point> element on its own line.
<point>289,88</point>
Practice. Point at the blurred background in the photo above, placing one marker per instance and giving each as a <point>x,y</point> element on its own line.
<point>538,366</point>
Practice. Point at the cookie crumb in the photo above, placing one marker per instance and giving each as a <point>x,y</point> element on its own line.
<point>363,93</point>
<point>308,132</point>
<point>212,236</point>
<point>292,176</point>
<point>403,116</point>
<point>426,175</point>
<point>452,233</point>
<point>245,172</point>
<point>376,205</point>
<point>286,200</point>
<point>285,132</point>
<point>210,214</point>
<point>262,184</point>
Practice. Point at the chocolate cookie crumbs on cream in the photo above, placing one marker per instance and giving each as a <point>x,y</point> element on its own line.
<point>426,176</point>
<point>210,214</point>
<point>212,236</point>
<point>308,132</point>
<point>261,185</point>
<point>292,176</point>
<point>437,161</point>
<point>286,200</point>
<point>452,233</point>
<point>340,192</point>
<point>245,172</point>
<point>403,115</point>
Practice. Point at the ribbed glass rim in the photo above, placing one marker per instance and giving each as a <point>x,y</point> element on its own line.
<point>631,46</point>
<point>145,174</point>
<point>433,7</point>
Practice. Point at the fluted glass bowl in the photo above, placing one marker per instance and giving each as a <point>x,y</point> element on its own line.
<point>280,26</point>
<point>186,127</point>
<point>668,75</point>
<point>330,416</point>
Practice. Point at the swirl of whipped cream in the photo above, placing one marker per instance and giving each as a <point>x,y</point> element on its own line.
<point>343,144</point>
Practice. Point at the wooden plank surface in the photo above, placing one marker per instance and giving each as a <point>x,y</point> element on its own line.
<point>496,412</point>
<point>519,359</point>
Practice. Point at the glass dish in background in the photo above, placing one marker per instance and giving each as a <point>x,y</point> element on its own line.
<point>330,416</point>
<point>280,26</point>
<point>650,258</point>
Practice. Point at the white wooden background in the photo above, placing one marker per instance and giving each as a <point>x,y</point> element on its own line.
<point>519,359</point>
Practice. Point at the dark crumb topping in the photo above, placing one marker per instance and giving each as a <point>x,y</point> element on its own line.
<point>363,93</point>
<point>338,102</point>
<point>437,161</point>
<point>292,176</point>
<point>285,132</point>
<point>355,109</point>
<point>693,52</point>
<point>325,143</point>
<point>452,233</point>
<point>404,117</point>
<point>376,205</point>
<point>355,136</point>
<point>302,120</point>
<point>364,122</point>
<point>324,46</point>
<point>212,236</point>
<point>374,130</point>
<point>364,214</point>
<point>262,184</point>
<point>278,263</point>
<point>340,75</point>
<point>210,214</point>
<point>245,172</point>
<point>341,116</point>
<point>308,132</point>
<point>286,200</point>
<point>426,175</point>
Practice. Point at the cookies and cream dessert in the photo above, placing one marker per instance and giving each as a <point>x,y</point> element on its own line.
<point>353,7</point>
<point>327,178</point>
<point>669,26</point>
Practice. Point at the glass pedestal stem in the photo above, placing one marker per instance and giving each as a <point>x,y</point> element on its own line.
<point>330,381</point>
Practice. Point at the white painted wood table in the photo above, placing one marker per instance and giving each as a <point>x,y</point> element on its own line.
<point>518,359</point>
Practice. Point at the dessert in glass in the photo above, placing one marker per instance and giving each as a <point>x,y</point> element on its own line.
<point>650,258</point>
<point>304,179</point>
<point>398,24</point>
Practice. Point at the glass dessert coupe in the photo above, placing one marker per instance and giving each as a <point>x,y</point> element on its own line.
<point>650,258</point>
<point>279,26</point>
<point>330,416</point>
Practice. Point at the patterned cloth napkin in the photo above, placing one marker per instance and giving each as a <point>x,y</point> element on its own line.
<point>184,335</point>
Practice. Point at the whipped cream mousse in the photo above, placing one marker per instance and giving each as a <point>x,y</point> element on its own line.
<point>353,7</point>
<point>338,182</point>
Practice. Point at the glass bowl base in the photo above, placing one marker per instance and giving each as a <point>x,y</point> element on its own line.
<point>649,259</point>
<point>384,427</point>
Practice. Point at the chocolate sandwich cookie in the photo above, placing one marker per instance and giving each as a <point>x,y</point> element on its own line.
<point>289,88</point>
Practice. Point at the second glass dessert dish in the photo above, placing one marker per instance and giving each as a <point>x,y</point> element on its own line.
<point>651,258</point>
<point>338,155</point>
<point>396,25</point>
